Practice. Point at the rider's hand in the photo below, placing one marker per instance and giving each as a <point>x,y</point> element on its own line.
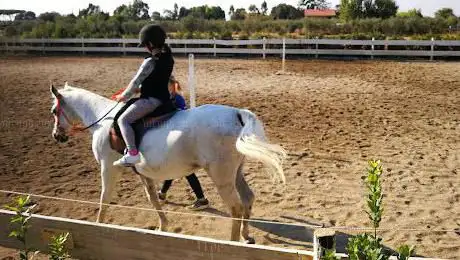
<point>120,98</point>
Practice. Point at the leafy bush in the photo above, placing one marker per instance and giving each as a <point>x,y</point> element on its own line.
<point>23,207</point>
<point>366,246</point>
<point>101,25</point>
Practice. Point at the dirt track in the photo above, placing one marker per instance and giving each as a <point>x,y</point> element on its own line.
<point>332,118</point>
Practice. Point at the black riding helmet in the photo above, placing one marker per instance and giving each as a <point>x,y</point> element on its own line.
<point>152,33</point>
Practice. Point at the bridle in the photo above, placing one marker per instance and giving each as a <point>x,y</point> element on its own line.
<point>75,127</point>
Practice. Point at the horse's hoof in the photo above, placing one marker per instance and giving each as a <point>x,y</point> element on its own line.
<point>162,228</point>
<point>249,241</point>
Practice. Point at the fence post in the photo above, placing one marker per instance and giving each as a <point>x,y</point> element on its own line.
<point>43,45</point>
<point>124,46</point>
<point>83,45</point>
<point>6,46</point>
<point>264,47</point>
<point>185,49</point>
<point>323,239</point>
<point>372,48</point>
<point>191,80</point>
<point>284,55</point>
<point>14,44</point>
<point>317,47</point>
<point>215,47</point>
<point>432,49</point>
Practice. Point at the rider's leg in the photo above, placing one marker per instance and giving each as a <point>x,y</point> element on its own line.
<point>137,110</point>
<point>164,189</point>
<point>166,186</point>
<point>201,202</point>
<point>196,186</point>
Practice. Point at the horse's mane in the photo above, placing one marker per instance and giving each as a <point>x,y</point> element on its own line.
<point>78,91</point>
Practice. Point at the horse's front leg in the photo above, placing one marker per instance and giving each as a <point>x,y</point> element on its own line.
<point>109,177</point>
<point>150,190</point>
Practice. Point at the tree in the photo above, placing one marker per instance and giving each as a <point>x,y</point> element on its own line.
<point>231,11</point>
<point>176,12</point>
<point>355,9</point>
<point>122,10</point>
<point>239,14</point>
<point>345,11</point>
<point>25,16</point>
<point>134,11</point>
<point>90,10</point>
<point>168,14</point>
<point>183,12</point>
<point>139,10</point>
<point>369,9</point>
<point>444,13</point>
<point>253,9</point>
<point>48,16</point>
<point>202,12</point>
<point>314,4</point>
<point>410,13</point>
<point>385,8</point>
<point>216,13</point>
<point>156,16</point>
<point>264,8</point>
<point>11,12</point>
<point>285,11</point>
<point>208,12</point>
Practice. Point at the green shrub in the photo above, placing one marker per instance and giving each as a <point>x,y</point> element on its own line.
<point>366,246</point>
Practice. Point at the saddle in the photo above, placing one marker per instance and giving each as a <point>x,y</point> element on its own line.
<point>141,126</point>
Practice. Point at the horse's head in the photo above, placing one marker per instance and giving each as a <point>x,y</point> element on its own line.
<point>62,121</point>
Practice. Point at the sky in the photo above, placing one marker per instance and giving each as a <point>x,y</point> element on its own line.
<point>72,6</point>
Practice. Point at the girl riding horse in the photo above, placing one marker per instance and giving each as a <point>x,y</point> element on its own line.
<point>151,81</point>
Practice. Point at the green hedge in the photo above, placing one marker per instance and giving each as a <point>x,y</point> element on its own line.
<point>251,28</point>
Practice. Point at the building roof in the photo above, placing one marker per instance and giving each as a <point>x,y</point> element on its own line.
<point>320,12</point>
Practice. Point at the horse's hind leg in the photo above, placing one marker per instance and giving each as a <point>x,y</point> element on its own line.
<point>149,186</point>
<point>247,198</point>
<point>224,176</point>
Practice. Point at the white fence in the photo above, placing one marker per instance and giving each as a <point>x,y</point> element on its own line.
<point>262,47</point>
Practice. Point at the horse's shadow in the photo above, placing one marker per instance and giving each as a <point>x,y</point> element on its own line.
<point>300,236</point>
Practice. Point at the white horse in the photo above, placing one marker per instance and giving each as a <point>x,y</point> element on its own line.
<point>212,137</point>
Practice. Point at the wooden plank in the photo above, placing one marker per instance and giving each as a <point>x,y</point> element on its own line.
<point>104,241</point>
<point>447,53</point>
<point>247,42</point>
<point>402,43</point>
<point>258,51</point>
<point>102,40</point>
<point>447,43</point>
<point>65,40</point>
<point>402,53</point>
<point>104,49</point>
<point>190,41</point>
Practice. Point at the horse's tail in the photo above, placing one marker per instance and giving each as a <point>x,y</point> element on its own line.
<point>253,143</point>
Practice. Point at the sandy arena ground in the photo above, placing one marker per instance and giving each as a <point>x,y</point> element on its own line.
<point>331,116</point>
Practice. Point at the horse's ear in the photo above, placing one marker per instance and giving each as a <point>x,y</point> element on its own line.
<point>55,92</point>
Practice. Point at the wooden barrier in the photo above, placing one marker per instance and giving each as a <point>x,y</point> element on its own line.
<point>89,240</point>
<point>104,241</point>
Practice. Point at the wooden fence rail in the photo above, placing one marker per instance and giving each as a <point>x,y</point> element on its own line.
<point>90,240</point>
<point>262,47</point>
